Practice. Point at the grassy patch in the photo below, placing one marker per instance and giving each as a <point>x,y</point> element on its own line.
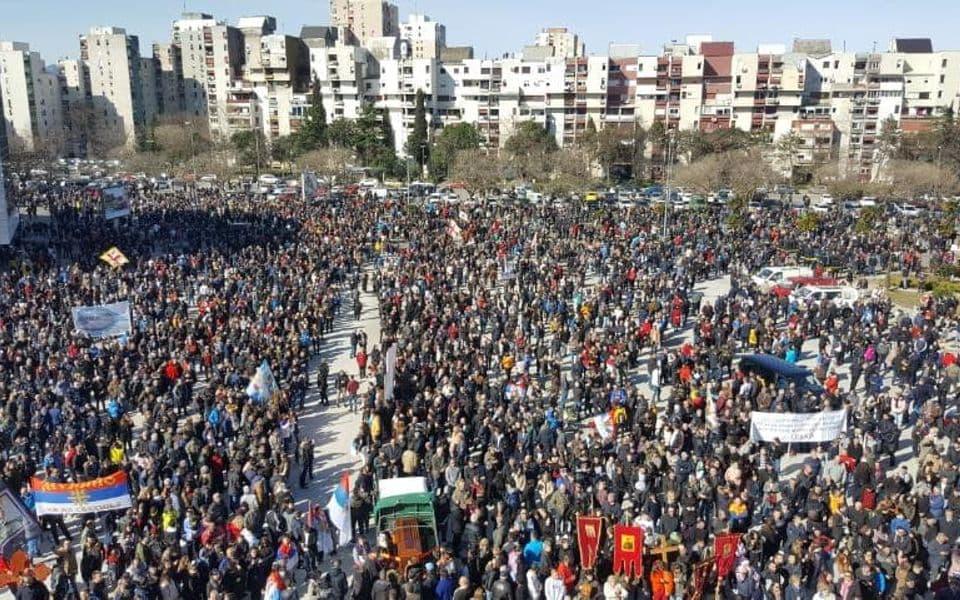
<point>904,298</point>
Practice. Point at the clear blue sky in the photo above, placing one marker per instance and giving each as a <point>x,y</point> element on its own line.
<point>497,26</point>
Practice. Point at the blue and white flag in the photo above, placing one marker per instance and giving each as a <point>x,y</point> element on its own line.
<point>106,320</point>
<point>339,508</point>
<point>263,385</point>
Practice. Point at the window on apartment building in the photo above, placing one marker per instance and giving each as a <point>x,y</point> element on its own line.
<point>944,63</point>
<point>942,78</point>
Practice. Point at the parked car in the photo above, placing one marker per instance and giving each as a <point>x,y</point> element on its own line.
<point>770,276</point>
<point>843,296</point>
<point>907,210</point>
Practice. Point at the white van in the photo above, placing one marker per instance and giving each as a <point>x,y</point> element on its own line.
<point>841,295</point>
<point>771,276</point>
<point>269,179</point>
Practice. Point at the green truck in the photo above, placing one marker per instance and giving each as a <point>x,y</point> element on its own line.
<point>406,521</point>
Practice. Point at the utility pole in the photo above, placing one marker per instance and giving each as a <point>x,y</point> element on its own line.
<point>256,142</point>
<point>668,201</point>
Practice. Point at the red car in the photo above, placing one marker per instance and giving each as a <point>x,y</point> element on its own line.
<point>782,290</point>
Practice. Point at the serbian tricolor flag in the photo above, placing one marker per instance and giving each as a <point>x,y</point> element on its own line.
<point>725,551</point>
<point>588,539</point>
<point>339,508</point>
<point>98,495</point>
<point>628,550</point>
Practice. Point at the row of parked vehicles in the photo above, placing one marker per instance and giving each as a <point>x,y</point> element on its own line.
<point>826,204</point>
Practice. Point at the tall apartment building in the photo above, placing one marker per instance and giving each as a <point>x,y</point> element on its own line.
<point>367,19</point>
<point>4,145</point>
<point>422,37</point>
<point>32,111</point>
<point>348,74</point>
<point>169,79</point>
<point>555,42</point>
<point>9,214</point>
<point>116,86</point>
<point>77,99</point>
<point>150,86</point>
<point>276,75</point>
<point>211,55</point>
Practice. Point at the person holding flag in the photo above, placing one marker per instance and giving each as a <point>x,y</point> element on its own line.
<point>338,507</point>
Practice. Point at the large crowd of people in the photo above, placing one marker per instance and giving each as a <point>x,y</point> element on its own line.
<point>512,329</point>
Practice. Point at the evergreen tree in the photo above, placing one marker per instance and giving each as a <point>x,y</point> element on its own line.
<point>313,133</point>
<point>418,142</point>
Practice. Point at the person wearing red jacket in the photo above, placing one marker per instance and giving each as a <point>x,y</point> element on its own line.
<point>567,573</point>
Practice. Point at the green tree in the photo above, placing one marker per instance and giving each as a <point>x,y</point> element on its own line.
<point>530,137</point>
<point>284,149</point>
<point>614,147</point>
<point>342,133</point>
<point>313,131</point>
<point>251,148</point>
<point>530,147</point>
<point>368,136</point>
<point>868,219</point>
<point>418,143</point>
<point>449,142</point>
<point>808,221</point>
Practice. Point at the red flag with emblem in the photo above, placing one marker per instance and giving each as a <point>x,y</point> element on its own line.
<point>725,551</point>
<point>628,550</point>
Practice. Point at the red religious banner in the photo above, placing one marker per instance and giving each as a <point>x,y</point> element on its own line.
<point>701,573</point>
<point>588,539</point>
<point>725,551</point>
<point>627,550</point>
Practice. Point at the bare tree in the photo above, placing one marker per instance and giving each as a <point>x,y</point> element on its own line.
<point>703,176</point>
<point>908,179</point>
<point>570,173</point>
<point>180,138</point>
<point>477,170</point>
<point>328,162</point>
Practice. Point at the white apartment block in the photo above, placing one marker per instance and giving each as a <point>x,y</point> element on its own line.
<point>367,19</point>
<point>565,43</point>
<point>423,38</point>
<point>169,79</point>
<point>76,101</point>
<point>151,90</point>
<point>32,109</point>
<point>116,87</point>
<point>211,56</point>
<point>347,74</point>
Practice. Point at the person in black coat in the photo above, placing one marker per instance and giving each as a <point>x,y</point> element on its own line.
<point>338,581</point>
<point>30,588</point>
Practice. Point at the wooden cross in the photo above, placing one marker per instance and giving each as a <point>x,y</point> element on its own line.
<point>663,550</point>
